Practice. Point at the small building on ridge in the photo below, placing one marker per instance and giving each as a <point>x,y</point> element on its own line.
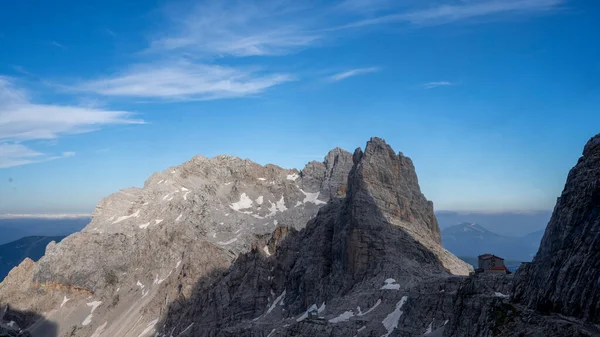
<point>489,263</point>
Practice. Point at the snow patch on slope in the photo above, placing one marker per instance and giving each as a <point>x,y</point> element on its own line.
<point>370,309</point>
<point>125,217</point>
<point>277,300</point>
<point>65,300</point>
<point>342,317</point>
<point>149,328</point>
<point>391,321</point>
<point>94,305</point>
<point>245,202</point>
<point>312,197</point>
<point>227,242</point>
<point>390,284</point>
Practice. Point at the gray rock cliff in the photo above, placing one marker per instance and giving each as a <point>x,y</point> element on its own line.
<point>563,277</point>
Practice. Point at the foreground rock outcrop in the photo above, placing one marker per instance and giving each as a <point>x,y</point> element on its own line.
<point>563,277</point>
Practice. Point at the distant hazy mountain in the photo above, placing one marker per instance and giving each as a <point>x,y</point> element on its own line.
<point>14,228</point>
<point>507,223</point>
<point>33,247</point>
<point>471,240</point>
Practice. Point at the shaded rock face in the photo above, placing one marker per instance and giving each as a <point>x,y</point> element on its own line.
<point>563,277</point>
<point>372,249</point>
<point>383,189</point>
<point>330,176</point>
<point>13,321</point>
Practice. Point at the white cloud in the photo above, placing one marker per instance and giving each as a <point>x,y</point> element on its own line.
<point>450,13</point>
<point>444,13</point>
<point>22,120</point>
<point>432,85</point>
<point>56,44</point>
<point>207,34</point>
<point>237,28</point>
<point>15,154</point>
<point>365,5</point>
<point>185,81</point>
<point>351,73</point>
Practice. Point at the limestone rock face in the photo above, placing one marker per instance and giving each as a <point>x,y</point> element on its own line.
<point>330,176</point>
<point>361,255</point>
<point>147,247</point>
<point>563,277</point>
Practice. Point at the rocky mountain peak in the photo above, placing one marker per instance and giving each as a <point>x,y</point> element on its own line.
<point>388,181</point>
<point>383,228</point>
<point>563,277</point>
<point>329,177</point>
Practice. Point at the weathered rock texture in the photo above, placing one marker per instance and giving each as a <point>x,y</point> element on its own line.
<point>369,250</point>
<point>146,247</point>
<point>565,274</point>
<point>226,247</point>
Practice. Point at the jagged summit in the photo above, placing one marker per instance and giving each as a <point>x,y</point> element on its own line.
<point>379,241</point>
<point>391,181</point>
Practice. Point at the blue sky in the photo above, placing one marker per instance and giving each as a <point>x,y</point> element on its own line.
<point>493,99</point>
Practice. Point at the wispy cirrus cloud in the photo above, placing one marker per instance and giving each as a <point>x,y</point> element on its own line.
<point>185,81</point>
<point>22,120</point>
<point>207,35</point>
<point>445,12</point>
<point>57,45</point>
<point>352,73</point>
<point>15,154</point>
<point>432,85</point>
<point>238,29</point>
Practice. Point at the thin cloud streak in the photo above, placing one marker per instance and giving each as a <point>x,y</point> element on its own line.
<point>432,85</point>
<point>185,81</point>
<point>444,14</point>
<point>352,73</point>
<point>22,120</point>
<point>15,154</point>
<point>56,44</point>
<point>238,29</point>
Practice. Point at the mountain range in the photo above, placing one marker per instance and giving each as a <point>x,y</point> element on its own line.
<point>32,247</point>
<point>470,239</point>
<point>15,227</point>
<point>516,224</point>
<point>345,247</point>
